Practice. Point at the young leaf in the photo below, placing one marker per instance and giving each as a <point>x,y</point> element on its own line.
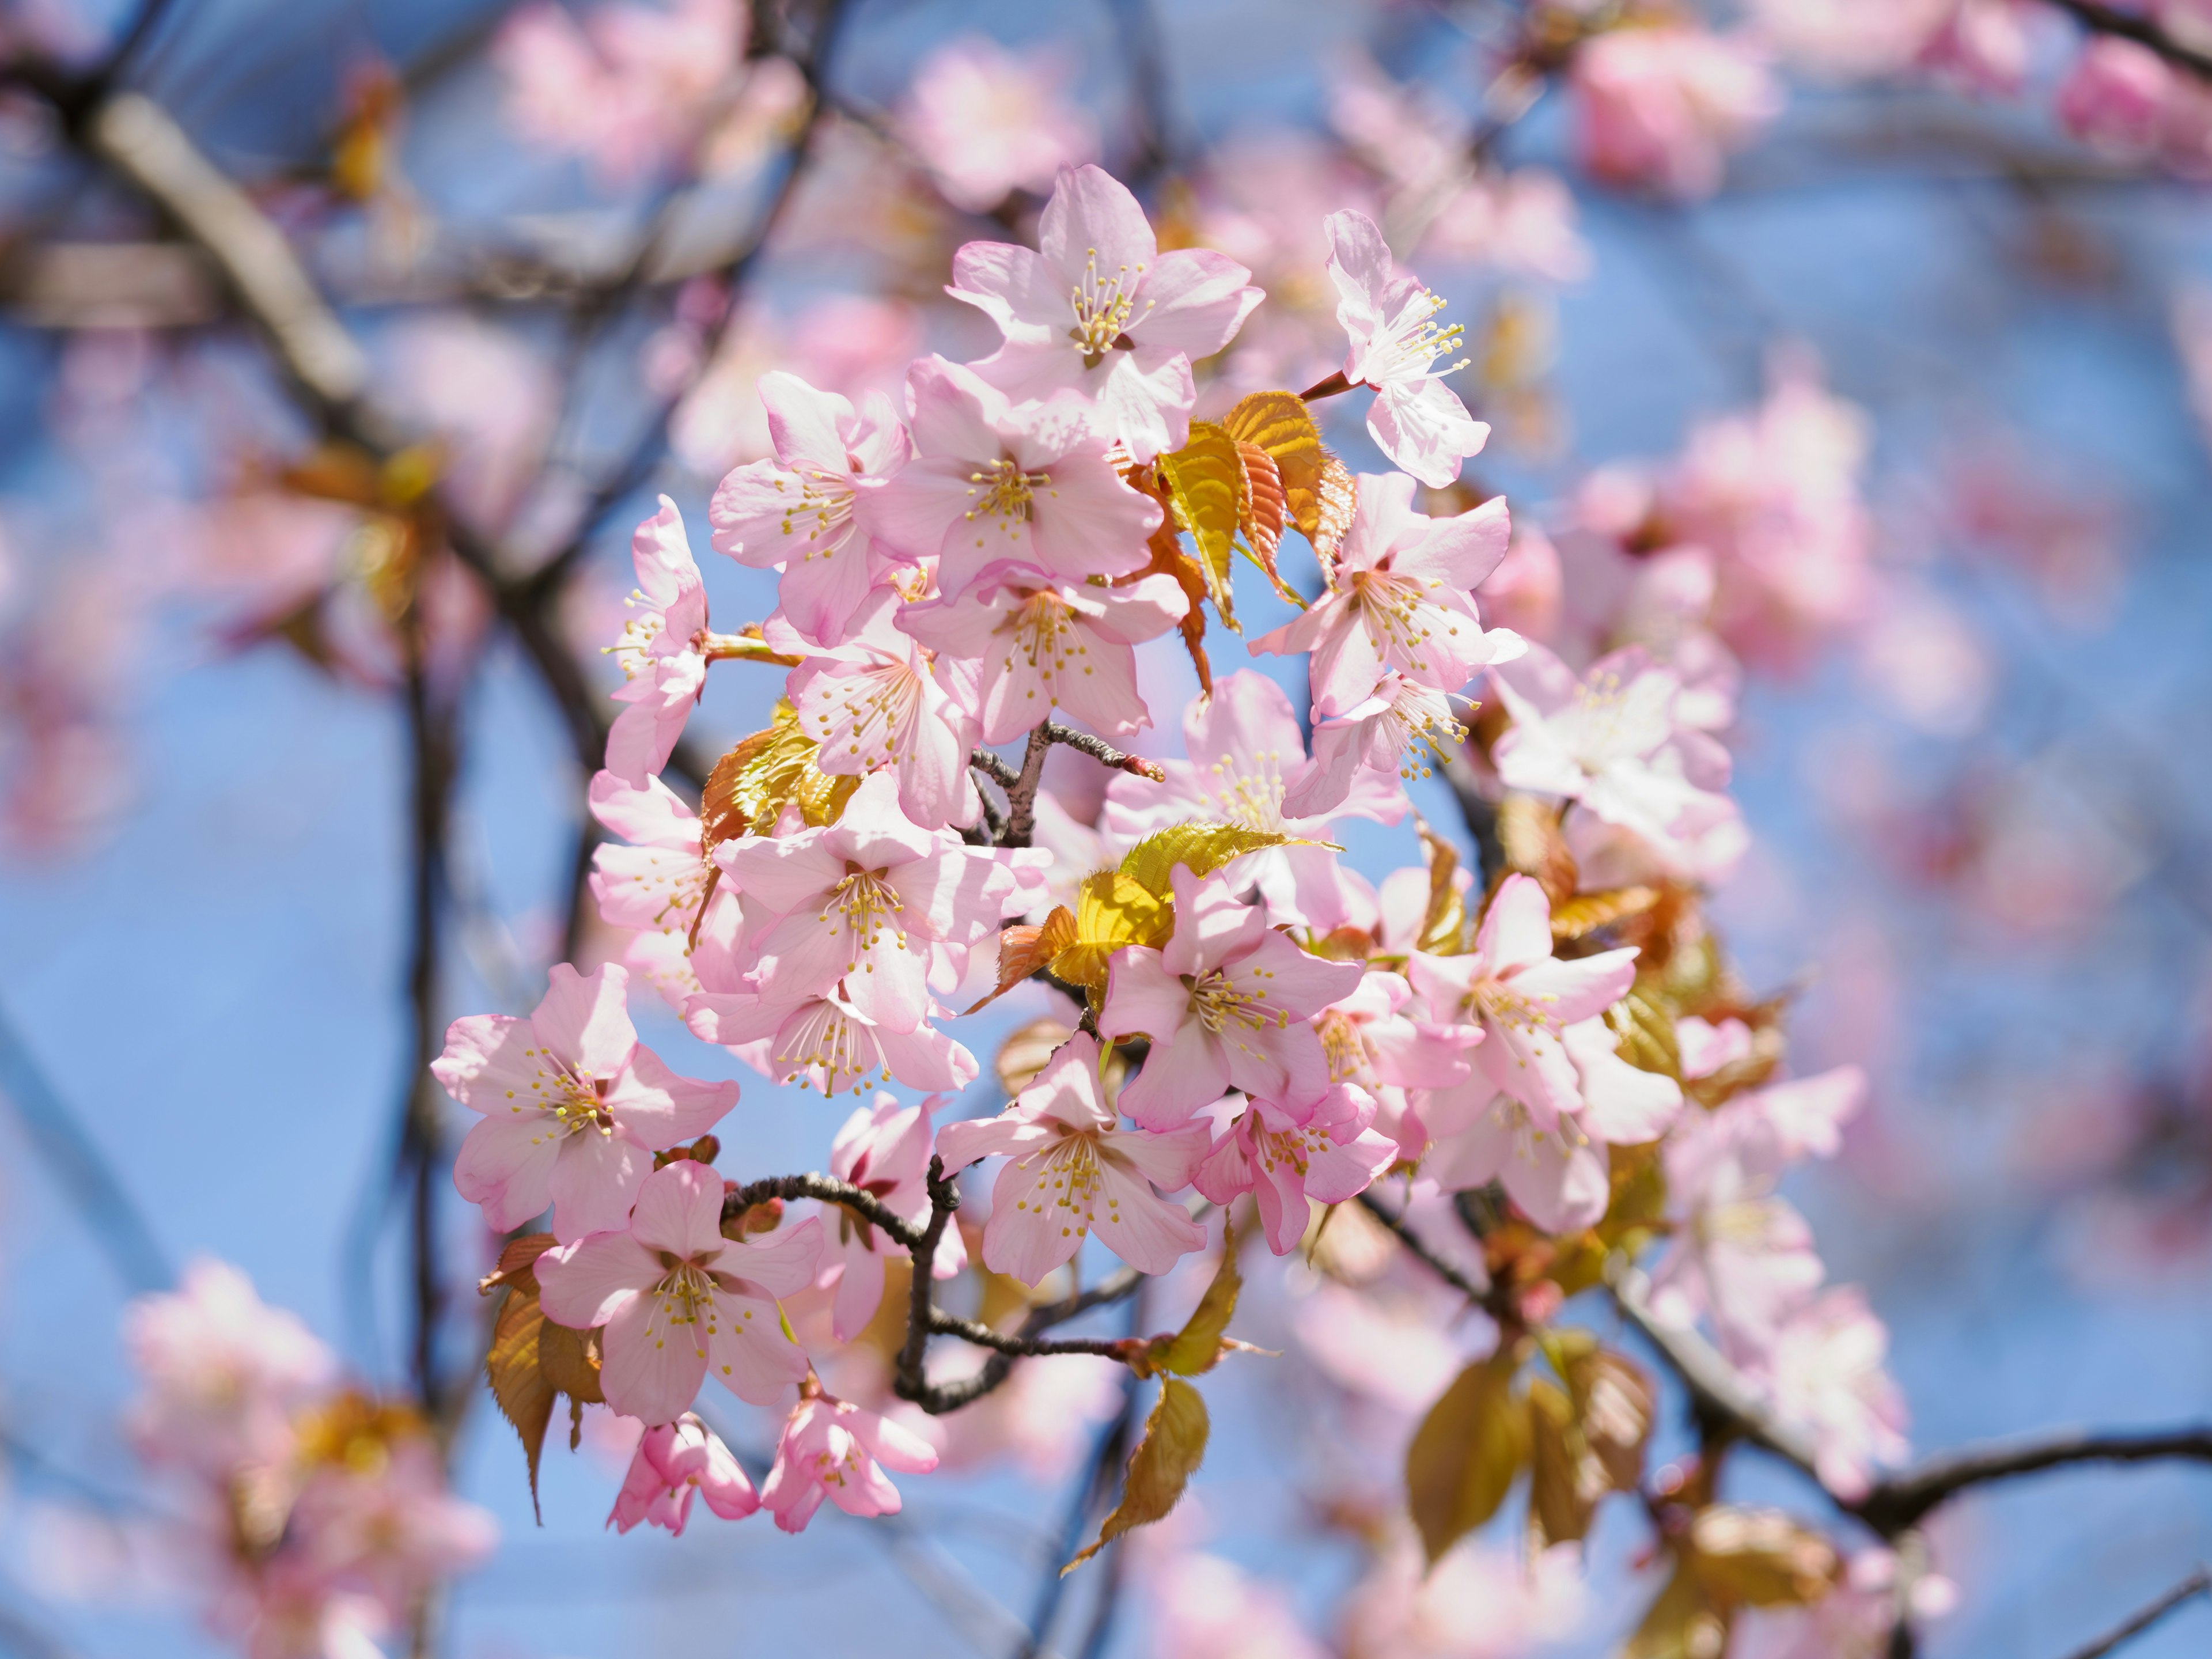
<point>1615,1404</point>
<point>1681,1623</point>
<point>1560,1501</point>
<point>1466,1453</point>
<point>750,785</point>
<point>1263,515</point>
<point>519,1383</point>
<point>1528,836</point>
<point>1112,909</point>
<point>1585,913</point>
<point>1161,1467</point>
<point>1199,846</point>
<point>1169,559</point>
<point>1205,478</point>
<point>1758,1558</point>
<point>1279,423</point>
<point>1443,925</point>
<point>1024,949</point>
<point>1646,1033</point>
<point>1337,500</point>
<point>1198,1346</point>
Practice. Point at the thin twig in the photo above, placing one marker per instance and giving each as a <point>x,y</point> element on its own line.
<point>2196,1583</point>
<point>942,1323</point>
<point>1103,752</point>
<point>864,1204</point>
<point>2101,19</point>
<point>1904,1499</point>
<point>944,1199</point>
<point>1421,1251</point>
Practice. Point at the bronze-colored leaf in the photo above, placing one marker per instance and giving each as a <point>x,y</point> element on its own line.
<point>1169,559</point>
<point>571,1361</point>
<point>1560,1501</point>
<point>1198,1347</point>
<point>1337,500</point>
<point>1159,1469</point>
<point>1645,1031</point>
<point>1443,924</point>
<point>1585,913</point>
<point>721,816</point>
<point>1206,484</point>
<point>1682,1622</point>
<point>1024,949</point>
<point>1281,423</point>
<point>519,1383</point>
<point>1466,1453</point>
<point>764,772</point>
<point>1616,1404</point>
<point>1528,836</point>
<point>1263,516</point>
<point>1758,1558</point>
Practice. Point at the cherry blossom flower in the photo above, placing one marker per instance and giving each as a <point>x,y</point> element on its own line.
<point>799,513</point>
<point>1661,107</point>
<point>883,1150</point>
<point>1824,1371</point>
<point>225,1372</point>
<point>1247,763</point>
<point>1378,1037</point>
<point>1227,1002</point>
<point>673,1462</point>
<point>1097,309</point>
<point>679,1302</point>
<point>875,701</point>
<point>1524,999</point>
<point>573,1106</point>
<point>1041,644</point>
<point>832,1448</point>
<point>992,482</point>
<point>865,901</point>
<point>2117,96</point>
<point>1478,1601</point>
<point>1327,1152</point>
<point>1610,740</point>
<point>823,1042</point>
<point>1372,741</point>
<point>1210,1608</point>
<point>988,122</point>
<point>657,887</point>
<point>1416,419</point>
<point>1401,597</point>
<point>1073,1172</point>
<point>660,650</point>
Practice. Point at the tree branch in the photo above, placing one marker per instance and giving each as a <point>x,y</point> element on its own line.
<point>943,1199</point>
<point>862,1203</point>
<point>1483,1295</point>
<point>2196,1583</point>
<point>1021,794</point>
<point>942,1323</point>
<point>1104,753</point>
<point>1904,1499</point>
<point>2099,19</point>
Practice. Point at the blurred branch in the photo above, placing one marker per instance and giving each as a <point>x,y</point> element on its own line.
<point>1151,115</point>
<point>118,1225</point>
<point>2195,1584</point>
<point>2101,19</point>
<point>1902,1500</point>
<point>1489,1298</point>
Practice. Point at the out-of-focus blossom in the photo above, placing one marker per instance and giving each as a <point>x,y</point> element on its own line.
<point>1416,420</point>
<point>1073,1171</point>
<point>1228,1003</point>
<point>1825,1372</point>
<point>1853,1620</point>
<point>1205,1608</point>
<point>988,122</point>
<point>1659,108</point>
<point>680,1302</point>
<point>488,398</point>
<point>673,1462</point>
<point>2116,94</point>
<point>849,343</point>
<point>832,1448</point>
<point>1097,309</point>
<point>572,1105</point>
<point>883,1150</point>
<point>1922,658</point>
<point>629,87</point>
<point>1475,1603</point>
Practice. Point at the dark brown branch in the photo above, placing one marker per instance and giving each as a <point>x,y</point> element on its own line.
<point>942,1323</point>
<point>1021,794</point>
<point>862,1203</point>
<point>943,1199</point>
<point>2195,1584</point>
<point>1419,1249</point>
<point>1104,753</point>
<point>1904,1499</point>
<point>995,768</point>
<point>2099,19</point>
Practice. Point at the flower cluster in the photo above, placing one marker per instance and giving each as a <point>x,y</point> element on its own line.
<point>317,1515</point>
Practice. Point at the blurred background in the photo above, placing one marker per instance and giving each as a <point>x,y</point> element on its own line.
<point>291,767</point>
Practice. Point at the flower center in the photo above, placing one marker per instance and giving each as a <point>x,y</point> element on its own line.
<point>1102,309</point>
<point>683,1306</point>
<point>1396,615</point>
<point>877,706</point>
<point>1295,1148</point>
<point>1252,797</point>
<point>821,514</point>
<point>1510,1009</point>
<point>1340,1040</point>
<point>1072,1198</point>
<point>1420,717</point>
<point>1005,492</point>
<point>1414,343</point>
<point>828,1046</point>
<point>863,904</point>
<point>1219,1002</point>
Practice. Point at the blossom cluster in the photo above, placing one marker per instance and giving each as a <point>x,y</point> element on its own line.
<point>1243,1023</point>
<point>315,1515</point>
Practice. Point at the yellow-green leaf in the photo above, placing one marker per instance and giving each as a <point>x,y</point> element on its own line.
<point>1466,1453</point>
<point>1443,924</point>
<point>1173,1447</point>
<point>750,785</point>
<point>1200,846</point>
<point>1561,1502</point>
<point>1681,1623</point>
<point>1758,1558</point>
<point>1646,1034</point>
<point>1197,1348</point>
<point>1281,423</point>
<point>1205,479</point>
<point>1585,913</point>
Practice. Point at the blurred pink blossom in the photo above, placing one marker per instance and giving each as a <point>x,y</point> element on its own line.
<point>1659,108</point>
<point>988,122</point>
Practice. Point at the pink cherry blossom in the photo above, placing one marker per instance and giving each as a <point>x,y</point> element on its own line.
<point>656,887</point>
<point>883,1150</point>
<point>1824,1371</point>
<point>1401,597</point>
<point>1327,1152</point>
<point>1706,1047</point>
<point>1210,1608</point>
<point>1478,1602</point>
<point>992,482</point>
<point>2117,96</point>
<point>865,901</point>
<point>1661,107</point>
<point>1228,1003</point>
<point>1380,1038</point>
<point>1041,644</point>
<point>1073,1172</point>
<point>800,513</point>
<point>678,1302</point>
<point>1523,998</point>
<point>573,1106</point>
<point>1247,761</point>
<point>877,701</point>
<point>1416,419</point>
<point>822,1042</point>
<point>988,122</point>
<point>832,1448</point>
<point>660,650</point>
<point>388,1525</point>
<point>673,1462</point>
<point>224,1371</point>
<point>1372,741</point>
<point>1611,740</point>
<point>1097,309</point>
